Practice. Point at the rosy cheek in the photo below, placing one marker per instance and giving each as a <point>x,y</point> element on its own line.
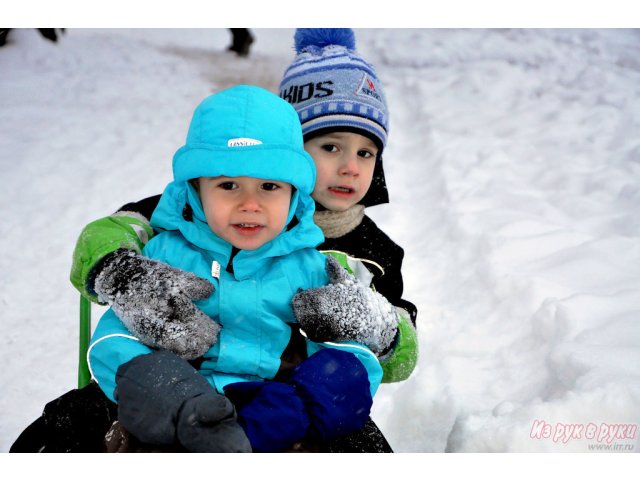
<point>321,175</point>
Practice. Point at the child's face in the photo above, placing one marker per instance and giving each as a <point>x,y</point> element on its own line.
<point>247,212</point>
<point>344,163</point>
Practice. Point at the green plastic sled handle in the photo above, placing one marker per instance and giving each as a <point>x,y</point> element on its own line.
<point>84,377</point>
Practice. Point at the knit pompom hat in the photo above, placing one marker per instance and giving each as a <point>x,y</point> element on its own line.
<point>330,85</point>
<point>333,88</point>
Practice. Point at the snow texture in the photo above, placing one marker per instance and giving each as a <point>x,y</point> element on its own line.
<point>513,168</point>
<point>155,303</point>
<point>346,310</point>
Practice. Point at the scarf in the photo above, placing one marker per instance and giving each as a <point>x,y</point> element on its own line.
<point>336,224</point>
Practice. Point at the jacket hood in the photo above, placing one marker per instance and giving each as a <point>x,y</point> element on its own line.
<point>243,131</point>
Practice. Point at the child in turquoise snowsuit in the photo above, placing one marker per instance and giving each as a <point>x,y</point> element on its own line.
<point>241,139</point>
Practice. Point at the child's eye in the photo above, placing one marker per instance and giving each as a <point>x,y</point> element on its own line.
<point>268,186</point>
<point>365,154</point>
<point>329,148</point>
<point>228,186</point>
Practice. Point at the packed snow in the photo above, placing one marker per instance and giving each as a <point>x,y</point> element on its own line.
<point>514,171</point>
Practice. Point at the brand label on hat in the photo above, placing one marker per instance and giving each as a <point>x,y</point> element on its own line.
<point>242,142</point>
<point>368,88</point>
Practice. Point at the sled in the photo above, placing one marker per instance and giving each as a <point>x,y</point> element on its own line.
<point>84,376</point>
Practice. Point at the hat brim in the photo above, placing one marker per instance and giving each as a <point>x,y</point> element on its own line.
<point>270,162</point>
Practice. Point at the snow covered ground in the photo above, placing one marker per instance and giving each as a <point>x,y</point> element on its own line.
<point>514,170</point>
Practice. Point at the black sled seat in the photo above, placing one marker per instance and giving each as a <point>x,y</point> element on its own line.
<point>77,421</point>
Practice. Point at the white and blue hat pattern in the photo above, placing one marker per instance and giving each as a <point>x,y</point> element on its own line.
<point>331,86</point>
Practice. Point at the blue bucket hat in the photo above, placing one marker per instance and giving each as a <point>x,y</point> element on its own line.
<point>247,131</point>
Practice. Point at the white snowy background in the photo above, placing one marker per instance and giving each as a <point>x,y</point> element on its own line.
<point>514,170</point>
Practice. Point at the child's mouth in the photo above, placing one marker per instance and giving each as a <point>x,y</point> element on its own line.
<point>247,228</point>
<point>342,191</point>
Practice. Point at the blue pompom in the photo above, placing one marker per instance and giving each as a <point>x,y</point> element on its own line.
<point>322,37</point>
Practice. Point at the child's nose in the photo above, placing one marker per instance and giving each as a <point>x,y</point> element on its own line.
<point>350,165</point>
<point>249,202</point>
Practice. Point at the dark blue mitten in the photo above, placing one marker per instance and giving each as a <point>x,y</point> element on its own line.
<point>335,388</point>
<point>272,415</point>
<point>162,400</point>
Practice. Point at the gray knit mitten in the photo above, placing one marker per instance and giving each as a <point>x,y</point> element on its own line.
<point>155,302</point>
<point>346,310</point>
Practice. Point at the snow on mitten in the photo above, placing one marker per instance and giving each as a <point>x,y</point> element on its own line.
<point>155,302</point>
<point>346,310</point>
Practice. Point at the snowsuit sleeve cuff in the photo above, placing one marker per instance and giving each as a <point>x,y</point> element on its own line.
<point>98,239</point>
<point>400,362</point>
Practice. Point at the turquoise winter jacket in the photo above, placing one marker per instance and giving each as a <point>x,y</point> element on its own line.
<point>242,131</point>
<point>252,304</point>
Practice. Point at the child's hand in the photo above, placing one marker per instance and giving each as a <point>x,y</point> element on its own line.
<point>327,396</point>
<point>346,310</point>
<point>163,399</point>
<point>208,423</point>
<point>334,387</point>
<point>272,415</point>
<point>155,302</point>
